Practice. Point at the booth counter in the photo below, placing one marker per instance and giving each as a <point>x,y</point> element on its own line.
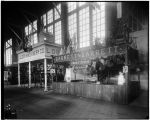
<point>111,93</point>
<point>123,58</point>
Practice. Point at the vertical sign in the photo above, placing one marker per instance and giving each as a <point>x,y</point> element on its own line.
<point>125,69</point>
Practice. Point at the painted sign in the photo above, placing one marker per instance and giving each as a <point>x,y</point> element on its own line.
<point>37,53</point>
<point>51,51</point>
<point>91,54</point>
<point>125,69</point>
<point>32,53</point>
<point>52,70</point>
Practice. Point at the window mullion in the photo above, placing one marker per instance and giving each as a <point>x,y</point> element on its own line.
<point>90,25</point>
<point>78,33</point>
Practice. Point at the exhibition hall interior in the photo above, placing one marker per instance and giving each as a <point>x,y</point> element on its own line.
<point>86,60</point>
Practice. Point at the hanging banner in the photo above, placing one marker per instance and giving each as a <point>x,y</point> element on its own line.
<point>92,54</point>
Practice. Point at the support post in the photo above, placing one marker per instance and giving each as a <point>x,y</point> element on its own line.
<point>45,74</point>
<point>29,74</point>
<point>18,75</point>
<point>127,74</point>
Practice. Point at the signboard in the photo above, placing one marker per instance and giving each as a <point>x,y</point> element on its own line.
<point>52,71</point>
<point>37,53</point>
<point>125,69</point>
<point>51,51</point>
<point>81,56</point>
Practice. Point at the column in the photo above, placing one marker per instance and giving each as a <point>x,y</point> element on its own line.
<point>127,75</point>
<point>45,74</point>
<point>29,74</point>
<point>126,64</point>
<point>18,75</point>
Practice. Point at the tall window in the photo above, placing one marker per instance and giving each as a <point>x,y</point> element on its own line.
<point>35,38</point>
<point>53,25</point>
<point>56,12</point>
<point>50,16</point>
<point>84,27</point>
<point>9,52</point>
<point>98,23</point>
<point>71,6</point>
<point>44,19</point>
<point>80,20</point>
<point>73,29</point>
<point>34,25</point>
<point>30,29</point>
<point>58,32</point>
<point>31,32</point>
<point>31,37</point>
<point>50,29</point>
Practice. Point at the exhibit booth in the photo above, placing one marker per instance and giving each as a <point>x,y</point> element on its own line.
<point>35,67</point>
<point>120,63</point>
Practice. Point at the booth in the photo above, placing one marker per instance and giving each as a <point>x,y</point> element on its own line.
<point>121,59</point>
<point>34,67</point>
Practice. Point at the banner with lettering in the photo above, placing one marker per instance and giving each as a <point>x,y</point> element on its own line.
<point>91,54</point>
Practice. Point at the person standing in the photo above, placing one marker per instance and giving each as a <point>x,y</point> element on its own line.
<point>98,69</point>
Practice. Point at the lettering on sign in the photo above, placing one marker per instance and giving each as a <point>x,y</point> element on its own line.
<point>32,53</point>
<point>35,52</point>
<point>92,54</point>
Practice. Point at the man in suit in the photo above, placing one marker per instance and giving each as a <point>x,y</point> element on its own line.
<point>100,68</point>
<point>98,64</point>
